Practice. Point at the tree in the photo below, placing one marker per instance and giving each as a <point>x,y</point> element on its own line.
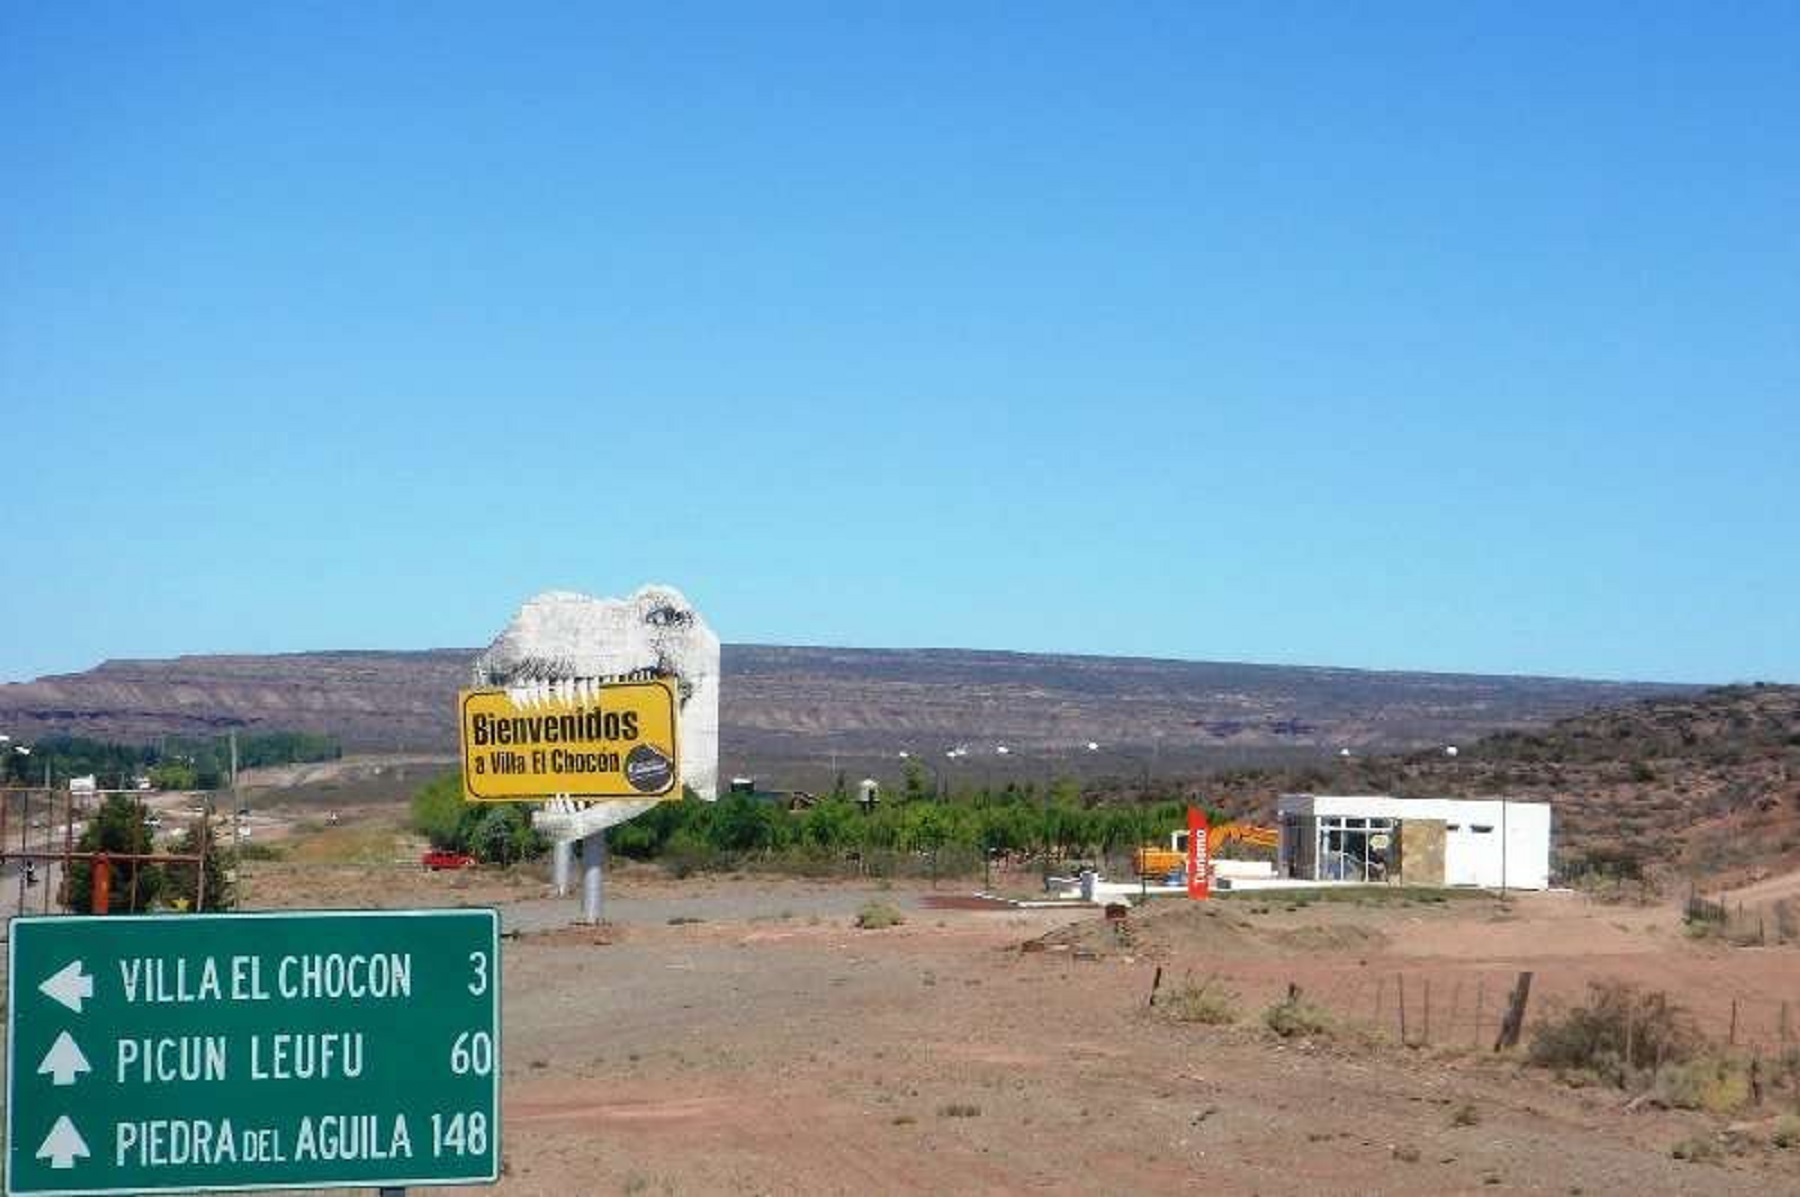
<point>173,775</point>
<point>831,824</point>
<point>182,887</point>
<point>501,833</point>
<point>743,824</point>
<point>916,787</point>
<point>437,812</point>
<point>117,828</point>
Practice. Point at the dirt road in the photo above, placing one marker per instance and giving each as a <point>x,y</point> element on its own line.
<point>772,1047</point>
<point>741,1035</point>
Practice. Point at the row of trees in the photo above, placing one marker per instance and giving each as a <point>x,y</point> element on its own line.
<point>173,763</point>
<point>1057,823</point>
<point>1012,820</point>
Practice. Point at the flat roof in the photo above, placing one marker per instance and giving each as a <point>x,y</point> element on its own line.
<point>1389,807</point>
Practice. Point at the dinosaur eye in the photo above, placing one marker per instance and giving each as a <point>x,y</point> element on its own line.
<point>668,617</point>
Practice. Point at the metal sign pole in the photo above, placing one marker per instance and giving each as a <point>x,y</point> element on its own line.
<point>561,853</point>
<point>593,876</point>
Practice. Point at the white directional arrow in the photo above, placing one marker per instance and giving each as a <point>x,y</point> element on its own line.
<point>63,1144</point>
<point>69,986</point>
<point>64,1061</point>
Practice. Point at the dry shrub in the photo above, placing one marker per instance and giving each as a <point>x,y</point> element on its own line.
<point>1618,1032</point>
<point>1787,921</point>
<point>1716,1084</point>
<point>1786,1134</point>
<point>1207,1003</point>
<point>1696,1149</point>
<point>1294,1016</point>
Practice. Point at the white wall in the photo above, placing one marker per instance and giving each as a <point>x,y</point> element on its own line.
<point>1471,857</point>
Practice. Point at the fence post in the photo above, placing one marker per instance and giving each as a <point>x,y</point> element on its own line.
<point>1731,1039</point>
<point>1514,1022</point>
<point>1400,981</point>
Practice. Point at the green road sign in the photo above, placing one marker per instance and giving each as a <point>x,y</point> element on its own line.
<point>166,1053</point>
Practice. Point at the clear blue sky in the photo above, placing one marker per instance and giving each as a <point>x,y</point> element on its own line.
<point>1442,336</point>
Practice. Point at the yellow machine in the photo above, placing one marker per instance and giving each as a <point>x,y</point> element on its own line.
<point>1159,862</point>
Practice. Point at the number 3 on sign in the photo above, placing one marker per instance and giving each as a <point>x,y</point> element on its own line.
<point>479,962</point>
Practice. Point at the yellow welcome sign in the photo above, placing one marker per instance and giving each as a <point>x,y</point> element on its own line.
<point>585,740</point>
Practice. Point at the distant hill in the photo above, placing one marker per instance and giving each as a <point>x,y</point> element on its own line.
<point>801,714</point>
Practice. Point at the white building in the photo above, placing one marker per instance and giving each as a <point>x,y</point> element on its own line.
<point>1491,842</point>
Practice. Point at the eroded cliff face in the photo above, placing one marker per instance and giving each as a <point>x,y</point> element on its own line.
<point>782,704</point>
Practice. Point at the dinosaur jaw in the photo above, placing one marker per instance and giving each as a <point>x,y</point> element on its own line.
<point>561,647</point>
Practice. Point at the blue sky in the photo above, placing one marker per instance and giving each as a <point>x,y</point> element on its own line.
<point>1434,336</point>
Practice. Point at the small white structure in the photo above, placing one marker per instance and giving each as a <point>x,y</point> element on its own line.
<point>1490,842</point>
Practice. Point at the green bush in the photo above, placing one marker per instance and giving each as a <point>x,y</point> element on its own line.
<point>497,833</point>
<point>876,916</point>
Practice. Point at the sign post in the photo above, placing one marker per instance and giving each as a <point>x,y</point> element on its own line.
<point>1199,855</point>
<point>174,1053</point>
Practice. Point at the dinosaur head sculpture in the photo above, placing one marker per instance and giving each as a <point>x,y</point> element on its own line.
<point>560,637</point>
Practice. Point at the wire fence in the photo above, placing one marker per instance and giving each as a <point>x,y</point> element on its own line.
<point>1759,923</point>
<point>1467,1009</point>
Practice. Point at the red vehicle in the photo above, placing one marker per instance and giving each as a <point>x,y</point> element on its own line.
<point>439,859</point>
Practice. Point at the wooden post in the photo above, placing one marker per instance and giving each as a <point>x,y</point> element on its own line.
<point>1514,1022</point>
<point>101,882</point>
<point>24,831</point>
<point>68,892</point>
<point>1731,1038</point>
<point>1155,984</point>
<point>200,879</point>
<point>1400,980</point>
<point>1784,1024</point>
<point>1427,1011</point>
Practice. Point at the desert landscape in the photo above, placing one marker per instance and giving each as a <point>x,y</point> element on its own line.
<point>743,1033</point>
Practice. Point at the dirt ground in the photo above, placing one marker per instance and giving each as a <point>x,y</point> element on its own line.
<point>741,1035</point>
